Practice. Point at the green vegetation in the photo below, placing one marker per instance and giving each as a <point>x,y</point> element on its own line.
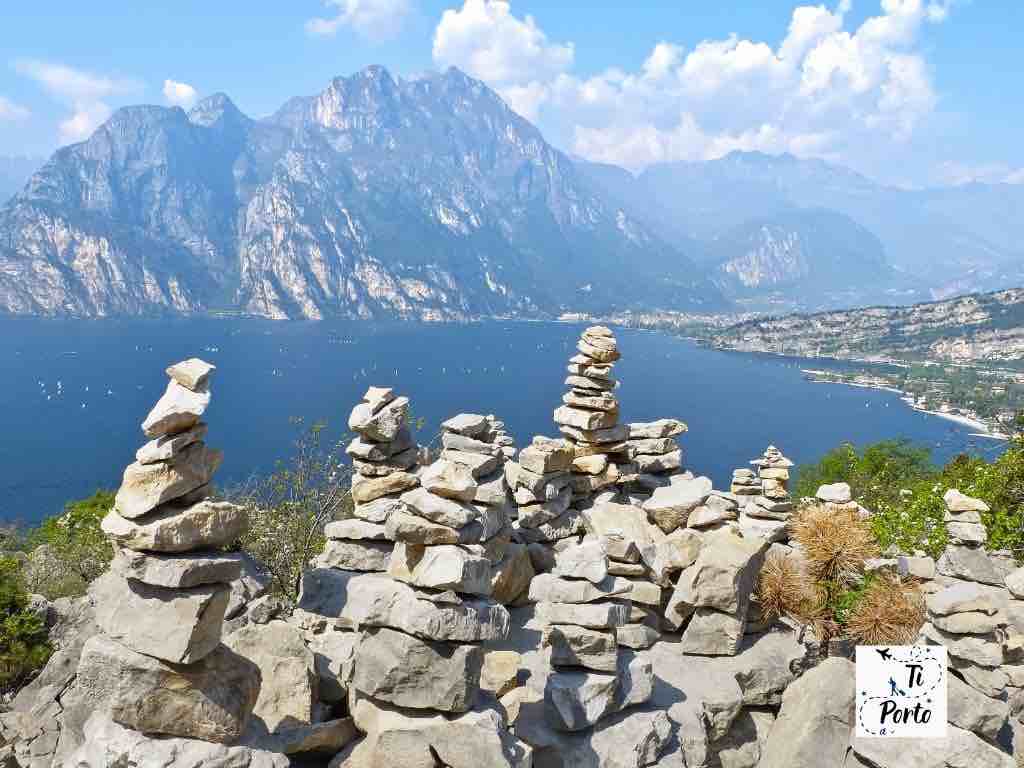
<point>903,488</point>
<point>289,508</point>
<point>67,551</point>
<point>23,638</point>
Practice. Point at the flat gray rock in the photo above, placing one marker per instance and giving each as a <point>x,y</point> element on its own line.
<point>180,571</point>
<point>177,410</point>
<point>147,486</point>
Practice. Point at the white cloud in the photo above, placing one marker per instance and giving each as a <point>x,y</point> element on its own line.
<point>989,173</point>
<point>824,90</point>
<point>179,94</point>
<point>11,111</point>
<point>484,39</point>
<point>85,92</point>
<point>372,19</point>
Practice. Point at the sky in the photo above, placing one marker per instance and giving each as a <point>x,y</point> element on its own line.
<point>909,92</point>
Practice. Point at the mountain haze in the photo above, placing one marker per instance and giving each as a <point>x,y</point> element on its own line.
<point>378,197</point>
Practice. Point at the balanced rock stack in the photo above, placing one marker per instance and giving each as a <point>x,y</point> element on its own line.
<point>655,455</point>
<point>158,666</point>
<point>767,511</point>
<point>589,417</point>
<point>580,606</point>
<point>541,482</point>
<point>965,556</point>
<point>384,455</point>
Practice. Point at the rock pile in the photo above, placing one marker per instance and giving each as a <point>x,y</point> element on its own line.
<point>581,606</point>
<point>589,417</point>
<point>158,666</point>
<point>965,556</point>
<point>767,504</point>
<point>654,455</point>
<point>385,457</point>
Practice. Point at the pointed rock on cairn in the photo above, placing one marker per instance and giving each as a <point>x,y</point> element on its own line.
<point>417,629</point>
<point>764,497</point>
<point>581,606</point>
<point>158,666</point>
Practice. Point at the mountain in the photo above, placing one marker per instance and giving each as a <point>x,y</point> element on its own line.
<point>986,327</point>
<point>378,197</point>
<point>14,172</point>
<point>937,236</point>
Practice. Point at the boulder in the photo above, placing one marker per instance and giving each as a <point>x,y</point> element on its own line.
<point>670,507</point>
<point>714,633</point>
<point>146,486</point>
<point>405,671</point>
<point>179,409</point>
<point>209,700</point>
<point>959,598</point>
<point>814,724</point>
<point>724,573</point>
<point>958,749</point>
<point>289,691</point>
<point>109,744</point>
<point>836,493</point>
<point>972,710</point>
<point>177,625</point>
<point>178,527</point>
<point>970,564</point>
<point>575,700</point>
<point>741,746</point>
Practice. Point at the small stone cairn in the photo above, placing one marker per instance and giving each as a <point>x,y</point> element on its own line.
<point>581,606</point>
<point>655,455</point>
<point>768,505</point>
<point>161,606</point>
<point>589,417</point>
<point>385,456</point>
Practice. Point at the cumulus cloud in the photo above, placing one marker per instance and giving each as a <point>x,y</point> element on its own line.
<point>823,90</point>
<point>11,111</point>
<point>85,92</point>
<point>372,19</point>
<point>514,55</point>
<point>179,94</point>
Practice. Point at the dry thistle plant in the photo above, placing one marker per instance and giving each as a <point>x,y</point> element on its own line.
<point>891,612</point>
<point>835,542</point>
<point>784,589</point>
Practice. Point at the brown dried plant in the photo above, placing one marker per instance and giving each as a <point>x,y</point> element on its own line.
<point>784,589</point>
<point>890,612</point>
<point>835,542</point>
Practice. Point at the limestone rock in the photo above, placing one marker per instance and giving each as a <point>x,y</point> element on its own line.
<point>958,748</point>
<point>289,689</point>
<point>500,672</point>
<point>958,502</point>
<point>592,615</point>
<point>656,429</point>
<point>973,711</point>
<point>837,493</point>
<point>814,725</point>
<point>355,530</point>
<point>583,561</point>
<point>725,572</point>
<point>110,744</point>
<point>177,625</point>
<point>545,456</point>
<point>360,448</point>
<point>192,374</point>
<point>450,480</point>
<point>382,424</point>
<point>960,598</point>
<point>441,567</point>
<point>670,507</point>
<point>210,700</point>
<point>356,555</point>
<point>512,575</point>
<point>379,510</point>
<point>367,489</point>
<point>547,587</point>
<point>178,571</point>
<point>166,447</point>
<point>333,658</point>
<point>178,409</point>
<point>741,746</point>
<point>146,486</point>
<point>313,739</point>
<point>575,700</point>
<point>478,464</point>
<point>584,419</point>
<point>714,633</point>
<point>575,646</point>
<point>1015,583</point>
<point>467,424</point>
<point>970,564</point>
<point>437,509</point>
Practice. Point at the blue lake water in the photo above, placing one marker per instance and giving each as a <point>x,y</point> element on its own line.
<point>63,442</point>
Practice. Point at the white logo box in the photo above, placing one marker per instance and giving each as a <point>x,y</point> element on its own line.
<point>901,691</point>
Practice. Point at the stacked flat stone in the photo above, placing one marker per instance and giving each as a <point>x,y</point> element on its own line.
<point>541,482</point>
<point>652,450</point>
<point>158,665</point>
<point>589,418</point>
<point>965,556</point>
<point>385,457</point>
<point>580,606</point>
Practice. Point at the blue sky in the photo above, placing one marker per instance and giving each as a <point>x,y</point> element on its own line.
<point>912,92</point>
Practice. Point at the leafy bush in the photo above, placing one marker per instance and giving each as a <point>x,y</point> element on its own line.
<point>289,508</point>
<point>23,639</point>
<point>69,550</point>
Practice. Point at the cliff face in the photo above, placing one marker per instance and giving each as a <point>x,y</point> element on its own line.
<point>377,197</point>
<point>979,327</point>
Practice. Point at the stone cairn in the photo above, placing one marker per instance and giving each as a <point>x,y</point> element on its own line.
<point>764,492</point>
<point>589,417</point>
<point>158,665</point>
<point>655,456</point>
<point>580,606</point>
<point>417,619</point>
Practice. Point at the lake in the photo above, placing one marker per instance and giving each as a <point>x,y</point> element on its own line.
<point>73,393</point>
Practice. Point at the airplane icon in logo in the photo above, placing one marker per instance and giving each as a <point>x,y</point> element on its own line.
<point>885,653</point>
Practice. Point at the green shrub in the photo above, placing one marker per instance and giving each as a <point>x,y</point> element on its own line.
<point>69,550</point>
<point>23,638</point>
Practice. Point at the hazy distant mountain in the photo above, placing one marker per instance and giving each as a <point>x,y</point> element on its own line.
<point>14,172</point>
<point>382,197</point>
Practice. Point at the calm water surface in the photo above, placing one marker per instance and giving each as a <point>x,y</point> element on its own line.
<point>74,392</point>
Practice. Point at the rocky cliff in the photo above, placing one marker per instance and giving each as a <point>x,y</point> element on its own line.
<point>978,327</point>
<point>424,198</point>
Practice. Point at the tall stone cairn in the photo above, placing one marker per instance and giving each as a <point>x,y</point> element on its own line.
<point>965,556</point>
<point>581,606</point>
<point>158,666</point>
<point>589,417</point>
<point>384,456</point>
